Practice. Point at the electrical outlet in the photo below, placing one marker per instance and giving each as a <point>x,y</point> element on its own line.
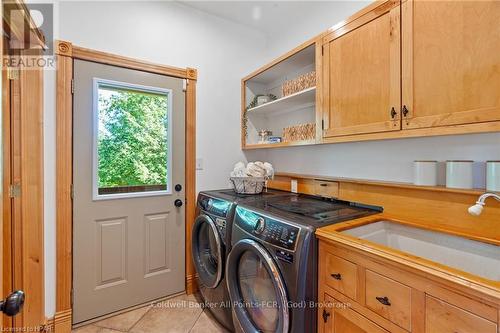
<point>199,164</point>
<point>293,186</point>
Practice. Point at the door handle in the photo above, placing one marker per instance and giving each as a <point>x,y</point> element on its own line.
<point>13,304</point>
<point>178,203</point>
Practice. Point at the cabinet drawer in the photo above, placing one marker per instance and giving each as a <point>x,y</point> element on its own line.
<point>337,317</point>
<point>341,275</point>
<point>389,298</point>
<point>441,317</point>
<point>326,189</point>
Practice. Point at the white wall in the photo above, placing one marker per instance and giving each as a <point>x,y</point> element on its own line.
<point>379,160</point>
<point>172,34</point>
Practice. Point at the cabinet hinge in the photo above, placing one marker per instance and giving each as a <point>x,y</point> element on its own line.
<point>72,86</point>
<point>72,300</point>
<point>72,191</point>
<point>15,190</point>
<point>13,73</point>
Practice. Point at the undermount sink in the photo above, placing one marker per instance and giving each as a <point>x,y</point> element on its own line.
<point>467,255</point>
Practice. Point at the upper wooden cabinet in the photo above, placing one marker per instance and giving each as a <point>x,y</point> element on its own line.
<point>361,69</point>
<point>450,62</point>
<point>395,69</point>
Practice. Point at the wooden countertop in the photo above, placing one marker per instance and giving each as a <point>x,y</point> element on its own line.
<point>427,267</point>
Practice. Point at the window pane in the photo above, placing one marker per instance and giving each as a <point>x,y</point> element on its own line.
<point>132,140</point>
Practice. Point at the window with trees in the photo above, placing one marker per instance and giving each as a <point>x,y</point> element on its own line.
<point>131,140</point>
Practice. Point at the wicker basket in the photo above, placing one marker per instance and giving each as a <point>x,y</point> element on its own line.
<point>299,132</point>
<point>248,185</point>
<point>300,83</point>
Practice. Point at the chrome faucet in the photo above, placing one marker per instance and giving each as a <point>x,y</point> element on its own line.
<point>478,207</point>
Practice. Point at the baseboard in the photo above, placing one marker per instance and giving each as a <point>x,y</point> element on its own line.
<point>62,322</point>
<point>191,284</point>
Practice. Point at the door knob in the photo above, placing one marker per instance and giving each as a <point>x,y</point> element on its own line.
<point>13,304</point>
<point>178,203</point>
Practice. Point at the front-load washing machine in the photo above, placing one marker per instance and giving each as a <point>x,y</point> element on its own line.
<point>211,243</point>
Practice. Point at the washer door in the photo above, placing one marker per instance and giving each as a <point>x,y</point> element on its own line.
<point>256,288</point>
<point>207,251</point>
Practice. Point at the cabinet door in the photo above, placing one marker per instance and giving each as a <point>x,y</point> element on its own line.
<point>337,317</point>
<point>451,62</point>
<point>362,74</point>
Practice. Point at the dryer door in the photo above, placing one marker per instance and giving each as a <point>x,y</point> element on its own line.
<point>256,288</point>
<point>207,250</point>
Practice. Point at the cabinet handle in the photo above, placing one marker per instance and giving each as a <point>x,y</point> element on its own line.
<point>405,111</point>
<point>336,276</point>
<point>393,113</point>
<point>384,300</point>
<point>325,315</point>
<point>323,184</point>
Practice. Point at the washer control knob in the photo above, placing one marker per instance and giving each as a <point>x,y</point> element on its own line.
<point>260,225</point>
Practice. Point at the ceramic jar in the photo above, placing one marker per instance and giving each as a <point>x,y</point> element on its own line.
<point>459,174</point>
<point>425,173</point>
<point>493,176</point>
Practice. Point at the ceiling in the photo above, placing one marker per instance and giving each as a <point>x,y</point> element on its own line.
<point>265,16</point>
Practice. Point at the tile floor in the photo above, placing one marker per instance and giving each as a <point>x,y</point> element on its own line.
<point>181,314</point>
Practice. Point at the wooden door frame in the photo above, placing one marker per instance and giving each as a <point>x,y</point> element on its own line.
<point>66,53</point>
<point>22,213</point>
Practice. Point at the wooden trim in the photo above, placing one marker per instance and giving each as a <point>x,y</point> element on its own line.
<point>486,127</point>
<point>32,229</point>
<point>16,28</point>
<point>369,13</point>
<point>190,166</point>
<point>66,53</point>
<point>63,48</point>
<point>191,284</point>
<point>62,321</point>
<point>64,179</point>
<point>76,52</point>
<point>6,246</point>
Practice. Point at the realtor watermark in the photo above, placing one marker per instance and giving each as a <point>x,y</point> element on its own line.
<point>29,31</point>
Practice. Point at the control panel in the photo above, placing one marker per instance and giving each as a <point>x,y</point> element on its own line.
<point>266,229</point>
<point>214,206</point>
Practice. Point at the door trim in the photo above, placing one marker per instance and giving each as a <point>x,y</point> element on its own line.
<point>66,53</point>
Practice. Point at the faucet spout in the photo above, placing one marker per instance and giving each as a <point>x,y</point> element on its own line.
<point>478,207</point>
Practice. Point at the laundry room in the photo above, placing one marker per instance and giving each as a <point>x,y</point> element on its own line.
<point>250,166</point>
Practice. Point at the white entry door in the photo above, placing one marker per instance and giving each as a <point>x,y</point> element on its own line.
<point>128,169</point>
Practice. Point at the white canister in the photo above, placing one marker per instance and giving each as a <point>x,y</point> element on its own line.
<point>425,173</point>
<point>459,174</point>
<point>493,176</point>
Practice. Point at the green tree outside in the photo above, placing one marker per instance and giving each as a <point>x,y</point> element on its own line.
<point>132,139</point>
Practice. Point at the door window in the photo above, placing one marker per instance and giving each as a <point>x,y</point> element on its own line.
<point>132,140</point>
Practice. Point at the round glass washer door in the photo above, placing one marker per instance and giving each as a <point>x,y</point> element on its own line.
<point>256,289</point>
<point>206,245</point>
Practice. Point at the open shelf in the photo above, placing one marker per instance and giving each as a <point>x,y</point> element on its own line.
<point>280,144</point>
<point>290,103</point>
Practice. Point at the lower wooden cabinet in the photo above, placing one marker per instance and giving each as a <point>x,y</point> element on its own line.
<point>359,293</point>
<point>441,317</point>
<point>338,317</point>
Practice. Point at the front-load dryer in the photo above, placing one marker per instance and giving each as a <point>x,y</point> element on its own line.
<point>211,244</point>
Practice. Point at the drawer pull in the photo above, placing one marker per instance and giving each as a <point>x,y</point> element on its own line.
<point>384,300</point>
<point>323,184</point>
<point>325,315</point>
<point>336,276</point>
